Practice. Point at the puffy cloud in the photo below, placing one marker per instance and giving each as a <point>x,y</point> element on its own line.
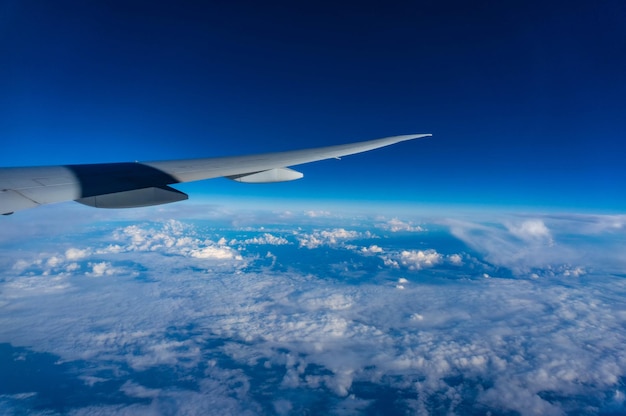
<point>213,252</point>
<point>418,259</point>
<point>413,259</point>
<point>373,249</point>
<point>73,254</point>
<point>390,262</point>
<point>402,282</point>
<point>267,239</point>
<point>101,269</point>
<point>395,225</point>
<point>54,261</point>
<point>169,237</point>
<point>328,237</point>
<point>338,234</point>
<point>455,259</point>
<point>52,264</point>
<point>575,272</point>
<point>172,237</point>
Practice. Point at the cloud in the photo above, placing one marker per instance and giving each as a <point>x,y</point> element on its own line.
<point>533,230</point>
<point>395,225</point>
<point>373,249</point>
<point>418,259</point>
<point>575,272</point>
<point>547,245</point>
<point>52,263</point>
<point>455,259</point>
<point>317,214</point>
<point>169,237</point>
<point>332,301</point>
<point>266,239</point>
<point>101,269</point>
<point>588,224</point>
<point>401,283</point>
<point>412,259</point>
<point>136,390</point>
<point>172,237</point>
<point>218,338</point>
<point>73,254</point>
<point>328,237</point>
<point>213,252</point>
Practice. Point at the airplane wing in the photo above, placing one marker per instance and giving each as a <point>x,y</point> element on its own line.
<point>137,184</point>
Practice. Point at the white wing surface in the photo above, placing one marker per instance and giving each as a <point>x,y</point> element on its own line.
<point>136,184</point>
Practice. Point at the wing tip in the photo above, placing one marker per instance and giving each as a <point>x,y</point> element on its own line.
<point>406,137</point>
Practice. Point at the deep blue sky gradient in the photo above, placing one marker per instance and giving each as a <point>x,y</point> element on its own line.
<point>526,100</point>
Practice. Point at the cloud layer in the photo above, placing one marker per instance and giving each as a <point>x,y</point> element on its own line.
<point>422,332</point>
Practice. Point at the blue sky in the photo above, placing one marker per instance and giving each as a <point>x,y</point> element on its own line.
<point>524,99</point>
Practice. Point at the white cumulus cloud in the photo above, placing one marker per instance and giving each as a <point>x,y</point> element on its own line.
<point>73,254</point>
<point>101,269</point>
<point>373,249</point>
<point>418,259</point>
<point>215,252</point>
<point>455,259</point>
<point>327,237</point>
<point>267,239</point>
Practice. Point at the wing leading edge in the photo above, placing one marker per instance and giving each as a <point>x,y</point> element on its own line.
<point>124,185</point>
